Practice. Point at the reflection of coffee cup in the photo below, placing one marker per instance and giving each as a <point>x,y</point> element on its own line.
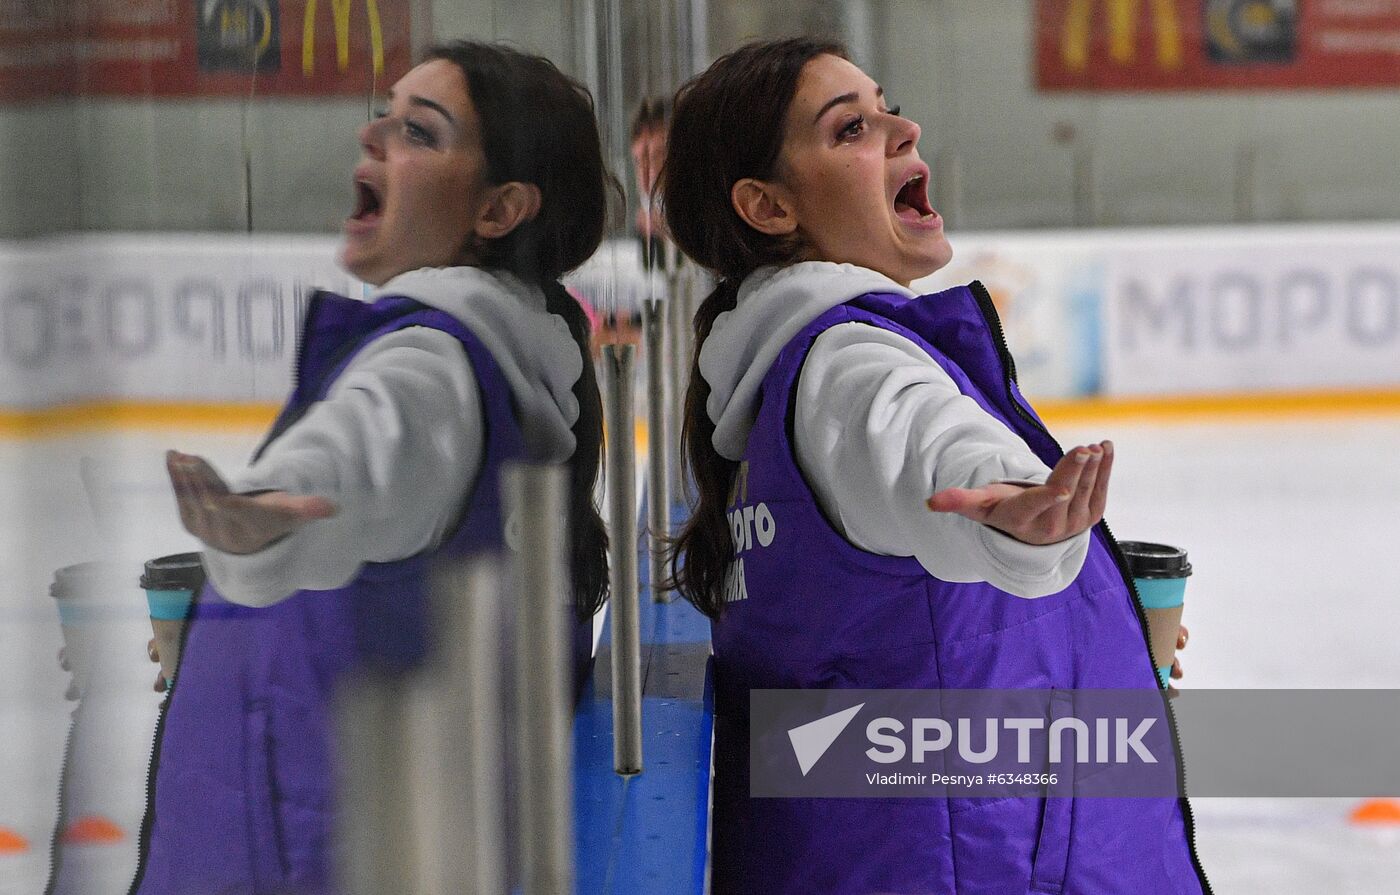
<point>170,583</point>
<point>78,591</point>
<point>1160,573</point>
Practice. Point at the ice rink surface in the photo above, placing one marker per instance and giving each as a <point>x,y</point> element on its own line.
<point>1291,527</point>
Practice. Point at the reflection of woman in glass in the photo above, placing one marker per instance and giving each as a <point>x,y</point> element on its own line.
<point>826,405</point>
<point>480,185</point>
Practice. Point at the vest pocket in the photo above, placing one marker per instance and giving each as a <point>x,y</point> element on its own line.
<point>1050,864</point>
<point>260,791</point>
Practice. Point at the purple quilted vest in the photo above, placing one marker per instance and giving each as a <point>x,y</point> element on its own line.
<point>242,773</point>
<point>813,611</point>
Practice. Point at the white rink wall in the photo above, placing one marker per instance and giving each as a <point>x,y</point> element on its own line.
<point>1124,313</point>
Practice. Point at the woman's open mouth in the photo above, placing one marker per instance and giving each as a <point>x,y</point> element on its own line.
<point>367,203</point>
<point>911,203</point>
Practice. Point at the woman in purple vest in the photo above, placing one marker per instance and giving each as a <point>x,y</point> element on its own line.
<point>825,406</point>
<point>480,185</point>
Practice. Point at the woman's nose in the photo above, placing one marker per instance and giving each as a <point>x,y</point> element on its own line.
<point>904,135</point>
<point>372,138</point>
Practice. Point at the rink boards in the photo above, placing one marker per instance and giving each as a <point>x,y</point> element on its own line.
<point>1267,457</point>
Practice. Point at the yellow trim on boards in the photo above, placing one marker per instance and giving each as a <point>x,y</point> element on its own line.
<point>98,416</point>
<point>1238,406</point>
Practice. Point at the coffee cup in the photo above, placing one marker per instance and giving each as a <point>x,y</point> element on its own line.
<point>78,591</point>
<point>1160,571</point>
<point>170,583</point>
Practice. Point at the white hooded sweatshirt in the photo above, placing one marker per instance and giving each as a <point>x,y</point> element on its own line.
<point>398,440</point>
<point>878,428</point>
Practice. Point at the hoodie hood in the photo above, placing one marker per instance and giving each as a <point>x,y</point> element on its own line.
<point>774,305</point>
<point>534,348</point>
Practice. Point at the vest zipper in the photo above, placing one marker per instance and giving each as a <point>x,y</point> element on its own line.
<point>993,321</point>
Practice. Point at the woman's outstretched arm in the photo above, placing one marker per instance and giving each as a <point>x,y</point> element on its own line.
<point>380,467</point>
<point>879,426</point>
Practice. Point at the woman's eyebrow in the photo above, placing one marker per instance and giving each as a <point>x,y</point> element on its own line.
<point>427,104</point>
<point>437,107</point>
<point>844,98</point>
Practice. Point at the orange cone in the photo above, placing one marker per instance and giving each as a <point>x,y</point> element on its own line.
<point>12,843</point>
<point>1376,811</point>
<point>92,829</point>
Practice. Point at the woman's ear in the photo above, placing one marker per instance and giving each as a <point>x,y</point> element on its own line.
<point>507,206</point>
<point>764,206</point>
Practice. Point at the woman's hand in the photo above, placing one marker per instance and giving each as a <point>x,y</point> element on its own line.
<point>236,523</point>
<point>71,693</point>
<point>1181,639</point>
<point>1071,501</point>
<point>153,653</point>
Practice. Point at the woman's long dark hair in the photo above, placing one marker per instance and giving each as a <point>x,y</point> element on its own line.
<point>538,127</point>
<point>727,125</point>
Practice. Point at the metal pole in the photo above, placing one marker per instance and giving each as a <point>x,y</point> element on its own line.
<point>612,114</point>
<point>458,719</point>
<point>678,322</point>
<point>585,45</point>
<point>658,445</point>
<point>373,822</point>
<point>537,496</point>
<point>699,36</point>
<point>618,364</point>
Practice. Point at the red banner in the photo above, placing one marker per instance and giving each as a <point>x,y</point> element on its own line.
<point>1115,45</point>
<point>184,48</point>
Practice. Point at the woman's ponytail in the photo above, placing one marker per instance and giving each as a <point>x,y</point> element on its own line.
<point>588,536</point>
<point>701,553</point>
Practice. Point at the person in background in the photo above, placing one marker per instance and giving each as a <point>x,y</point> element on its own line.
<point>619,278</point>
<point>387,455</point>
<point>650,125</point>
<point>916,525</point>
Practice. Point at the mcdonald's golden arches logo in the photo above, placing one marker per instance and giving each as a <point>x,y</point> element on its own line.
<point>340,15</point>
<point>1121,20</point>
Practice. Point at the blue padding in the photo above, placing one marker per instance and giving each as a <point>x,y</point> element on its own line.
<point>645,833</point>
<point>1161,593</point>
<point>648,833</point>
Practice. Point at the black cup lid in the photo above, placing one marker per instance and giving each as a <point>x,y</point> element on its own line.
<point>82,579</point>
<point>179,571</point>
<point>1147,560</point>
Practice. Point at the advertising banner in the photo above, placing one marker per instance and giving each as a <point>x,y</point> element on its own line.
<point>1109,45</point>
<point>190,48</point>
<point>203,319</point>
<point>1282,312</point>
<point>1192,311</point>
